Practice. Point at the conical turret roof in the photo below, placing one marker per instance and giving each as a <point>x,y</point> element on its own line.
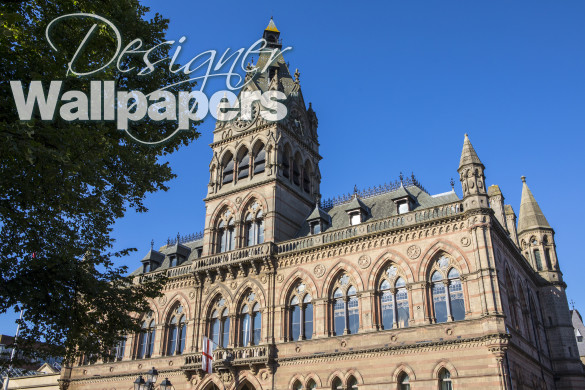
<point>531,216</point>
<point>468,154</point>
<point>272,26</point>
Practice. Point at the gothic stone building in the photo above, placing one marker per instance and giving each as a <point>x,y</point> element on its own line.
<point>388,288</point>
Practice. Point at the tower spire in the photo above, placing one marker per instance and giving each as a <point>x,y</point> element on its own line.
<point>471,175</point>
<point>531,216</point>
<point>468,154</point>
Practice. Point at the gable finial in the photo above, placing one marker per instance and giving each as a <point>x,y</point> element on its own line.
<point>573,304</point>
<point>178,238</point>
<point>401,178</point>
<point>452,184</point>
<point>151,244</point>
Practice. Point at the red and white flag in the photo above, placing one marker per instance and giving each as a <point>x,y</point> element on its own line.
<point>207,358</point>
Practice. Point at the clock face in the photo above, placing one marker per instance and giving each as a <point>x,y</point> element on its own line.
<point>250,112</point>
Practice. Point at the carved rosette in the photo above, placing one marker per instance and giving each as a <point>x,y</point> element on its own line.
<point>319,270</point>
<point>364,261</point>
<point>413,251</point>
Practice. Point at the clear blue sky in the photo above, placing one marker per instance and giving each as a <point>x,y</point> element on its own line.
<point>417,75</point>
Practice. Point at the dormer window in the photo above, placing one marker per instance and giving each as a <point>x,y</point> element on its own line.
<point>355,219</point>
<point>173,261</point>
<point>403,206</point>
<point>146,268</point>
<point>315,227</point>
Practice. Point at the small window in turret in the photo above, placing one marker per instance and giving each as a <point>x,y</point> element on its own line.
<point>315,228</point>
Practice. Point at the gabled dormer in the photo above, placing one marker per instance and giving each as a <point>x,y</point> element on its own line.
<point>178,253</point>
<point>403,200</point>
<point>318,220</point>
<point>356,210</point>
<point>152,260</point>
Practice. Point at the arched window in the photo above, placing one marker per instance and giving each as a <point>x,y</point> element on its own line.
<point>337,384</point>
<point>456,295</point>
<point>445,380</point>
<point>307,177</point>
<point>345,307</point>
<point>447,292</point>
<point>296,170</point>
<point>301,314</point>
<point>403,381</point>
<point>176,332</point>
<point>297,385</point>
<point>260,160</point>
<point>243,164</point>
<point>226,238</point>
<point>352,383</point>
<point>220,324</point>
<point>286,163</point>
<point>254,226</point>
<point>146,339</point>
<point>311,385</point>
<point>228,169</point>
<point>393,299</point>
<point>250,322</point>
<point>119,349</point>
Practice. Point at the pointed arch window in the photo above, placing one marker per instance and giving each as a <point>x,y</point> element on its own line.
<point>254,228</point>
<point>445,380</point>
<point>220,324</point>
<point>260,160</point>
<point>176,332</point>
<point>403,381</point>
<point>447,292</point>
<point>286,164</point>
<point>228,171</point>
<point>296,173</point>
<point>226,238</point>
<point>337,384</point>
<point>345,307</point>
<point>352,383</point>
<point>244,165</point>
<point>538,259</point>
<point>311,385</point>
<point>393,299</point>
<point>146,339</point>
<point>250,322</point>
<point>301,314</point>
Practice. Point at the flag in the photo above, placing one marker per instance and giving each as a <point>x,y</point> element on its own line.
<point>207,358</point>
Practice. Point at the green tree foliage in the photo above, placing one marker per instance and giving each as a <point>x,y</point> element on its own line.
<point>63,184</point>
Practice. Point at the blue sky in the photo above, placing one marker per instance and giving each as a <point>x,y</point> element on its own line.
<point>395,85</point>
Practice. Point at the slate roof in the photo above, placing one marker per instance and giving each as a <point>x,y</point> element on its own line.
<point>382,206</point>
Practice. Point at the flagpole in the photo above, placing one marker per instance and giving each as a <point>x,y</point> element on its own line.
<point>12,353</point>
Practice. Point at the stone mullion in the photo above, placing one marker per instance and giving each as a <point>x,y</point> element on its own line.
<point>448,300</point>
<point>322,318</point>
<point>394,308</point>
<point>428,299</point>
<point>233,330</point>
<point>346,311</point>
<point>157,350</point>
<point>365,307</point>
<point>302,321</point>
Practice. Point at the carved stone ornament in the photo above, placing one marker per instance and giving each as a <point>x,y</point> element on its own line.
<point>226,377</point>
<point>233,285</point>
<point>238,200</point>
<point>192,295</point>
<point>264,375</point>
<point>319,270</point>
<point>465,241</point>
<point>364,261</point>
<point>263,279</point>
<point>279,278</point>
<point>162,300</point>
<point>343,343</point>
<point>413,251</point>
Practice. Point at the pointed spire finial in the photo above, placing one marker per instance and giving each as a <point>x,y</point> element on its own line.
<point>401,178</point>
<point>452,184</point>
<point>573,304</point>
<point>297,76</point>
<point>468,154</point>
<point>355,190</point>
<point>178,238</point>
<point>151,244</point>
<point>523,178</point>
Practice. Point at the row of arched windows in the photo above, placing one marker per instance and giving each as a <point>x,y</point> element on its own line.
<point>293,168</point>
<point>250,232</point>
<point>245,164</point>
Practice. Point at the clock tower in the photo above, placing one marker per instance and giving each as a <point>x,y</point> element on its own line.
<point>264,175</point>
